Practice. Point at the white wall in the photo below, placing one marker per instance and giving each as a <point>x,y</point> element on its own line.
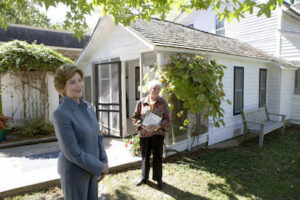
<point>290,38</point>
<point>287,92</point>
<point>260,32</point>
<point>12,99</point>
<point>273,89</point>
<point>295,115</point>
<point>234,126</point>
<point>202,19</point>
<point>130,86</point>
<point>53,95</point>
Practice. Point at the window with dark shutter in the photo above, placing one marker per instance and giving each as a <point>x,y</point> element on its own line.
<point>297,82</point>
<point>238,90</point>
<point>137,83</point>
<point>262,87</point>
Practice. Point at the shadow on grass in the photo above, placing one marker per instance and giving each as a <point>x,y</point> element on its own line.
<point>120,194</point>
<point>177,193</point>
<point>271,172</point>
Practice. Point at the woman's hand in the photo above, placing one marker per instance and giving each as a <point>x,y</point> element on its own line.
<point>103,173</point>
<point>152,128</point>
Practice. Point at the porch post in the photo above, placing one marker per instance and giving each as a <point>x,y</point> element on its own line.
<point>123,86</point>
<point>141,74</point>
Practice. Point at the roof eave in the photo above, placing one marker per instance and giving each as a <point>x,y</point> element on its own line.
<point>214,53</point>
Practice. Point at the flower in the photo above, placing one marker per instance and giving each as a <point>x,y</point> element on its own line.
<point>134,145</point>
<point>4,122</point>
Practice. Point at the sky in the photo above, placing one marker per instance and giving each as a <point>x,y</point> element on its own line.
<point>57,15</point>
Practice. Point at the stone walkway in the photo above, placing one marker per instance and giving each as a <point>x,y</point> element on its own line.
<point>27,168</point>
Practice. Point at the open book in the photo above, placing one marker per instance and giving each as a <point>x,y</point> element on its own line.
<point>151,119</point>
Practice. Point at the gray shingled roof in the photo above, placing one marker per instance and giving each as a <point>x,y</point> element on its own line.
<point>47,37</point>
<point>170,34</point>
<point>297,6</point>
<point>296,63</point>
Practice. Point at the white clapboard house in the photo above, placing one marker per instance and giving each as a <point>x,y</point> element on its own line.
<point>117,56</point>
<point>278,35</point>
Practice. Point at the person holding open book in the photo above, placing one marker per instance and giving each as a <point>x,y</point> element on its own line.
<point>151,119</point>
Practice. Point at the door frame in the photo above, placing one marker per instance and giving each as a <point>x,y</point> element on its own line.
<point>97,103</point>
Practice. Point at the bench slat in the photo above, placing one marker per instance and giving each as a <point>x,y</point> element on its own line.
<point>258,121</point>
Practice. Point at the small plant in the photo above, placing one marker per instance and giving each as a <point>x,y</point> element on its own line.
<point>133,143</point>
<point>4,122</point>
<point>34,127</point>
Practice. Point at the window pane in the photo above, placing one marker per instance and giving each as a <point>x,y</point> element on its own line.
<point>262,97</point>
<point>219,24</point>
<point>297,82</point>
<point>104,71</point>
<point>137,83</point>
<point>220,32</point>
<point>263,77</point>
<point>262,87</point>
<point>115,83</point>
<point>238,101</point>
<point>104,91</point>
<point>238,90</point>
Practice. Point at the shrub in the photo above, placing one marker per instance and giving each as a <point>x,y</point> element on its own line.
<point>34,127</point>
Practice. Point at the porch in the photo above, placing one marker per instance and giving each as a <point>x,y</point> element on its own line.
<point>115,85</point>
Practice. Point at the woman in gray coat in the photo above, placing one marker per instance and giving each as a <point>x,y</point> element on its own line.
<point>82,162</point>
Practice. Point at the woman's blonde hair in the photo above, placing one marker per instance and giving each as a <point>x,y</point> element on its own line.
<point>64,73</point>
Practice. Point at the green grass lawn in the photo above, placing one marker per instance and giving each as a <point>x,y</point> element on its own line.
<point>244,172</point>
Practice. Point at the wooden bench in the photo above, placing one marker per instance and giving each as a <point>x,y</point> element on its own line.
<point>258,121</point>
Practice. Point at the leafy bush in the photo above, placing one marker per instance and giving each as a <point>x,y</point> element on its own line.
<point>34,127</point>
<point>21,56</point>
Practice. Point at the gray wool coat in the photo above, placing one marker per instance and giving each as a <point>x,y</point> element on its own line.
<point>82,154</point>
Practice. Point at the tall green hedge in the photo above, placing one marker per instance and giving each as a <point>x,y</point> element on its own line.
<point>21,56</point>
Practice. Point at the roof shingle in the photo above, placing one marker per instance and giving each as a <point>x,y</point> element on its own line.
<point>170,34</point>
<point>47,37</point>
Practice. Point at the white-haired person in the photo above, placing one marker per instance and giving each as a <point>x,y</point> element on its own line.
<point>152,135</point>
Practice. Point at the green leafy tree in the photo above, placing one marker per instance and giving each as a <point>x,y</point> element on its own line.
<point>25,13</point>
<point>125,11</point>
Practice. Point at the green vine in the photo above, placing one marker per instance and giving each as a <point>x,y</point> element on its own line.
<point>27,66</point>
<point>197,82</point>
<point>21,56</point>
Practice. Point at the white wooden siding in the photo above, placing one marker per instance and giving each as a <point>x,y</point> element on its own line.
<point>118,43</point>
<point>12,99</point>
<point>273,88</point>
<point>290,23</point>
<point>296,107</point>
<point>202,19</point>
<point>260,32</point>
<point>234,126</point>
<point>111,41</point>
<point>290,38</point>
<point>287,91</point>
